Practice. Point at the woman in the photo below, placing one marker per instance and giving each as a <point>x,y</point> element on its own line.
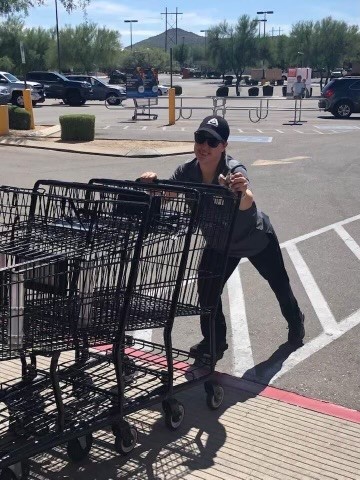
<point>253,236</point>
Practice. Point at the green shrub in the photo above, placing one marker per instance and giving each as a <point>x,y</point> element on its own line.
<point>178,89</point>
<point>19,118</point>
<point>79,127</point>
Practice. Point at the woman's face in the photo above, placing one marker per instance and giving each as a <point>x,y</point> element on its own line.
<point>207,155</point>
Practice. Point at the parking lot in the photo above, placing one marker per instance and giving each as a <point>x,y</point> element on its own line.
<point>305,176</point>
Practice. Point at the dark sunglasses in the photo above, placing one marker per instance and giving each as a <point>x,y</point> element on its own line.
<point>201,138</point>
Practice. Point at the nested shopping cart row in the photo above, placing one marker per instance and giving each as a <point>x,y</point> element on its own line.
<point>83,266</point>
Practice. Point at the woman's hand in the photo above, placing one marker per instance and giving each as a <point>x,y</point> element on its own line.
<point>148,177</point>
<point>238,183</point>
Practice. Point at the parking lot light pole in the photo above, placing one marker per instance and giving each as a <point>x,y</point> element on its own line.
<point>57,36</point>
<point>205,32</point>
<point>265,12</point>
<point>131,22</point>
<point>301,55</point>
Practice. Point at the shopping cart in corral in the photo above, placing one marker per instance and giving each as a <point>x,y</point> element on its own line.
<point>67,300</point>
<point>142,108</point>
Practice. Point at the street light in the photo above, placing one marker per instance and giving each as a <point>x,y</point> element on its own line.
<point>301,54</point>
<point>57,36</point>
<point>131,22</point>
<point>267,12</point>
<point>204,31</point>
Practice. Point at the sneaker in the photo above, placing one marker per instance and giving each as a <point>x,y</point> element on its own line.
<point>203,348</point>
<point>297,332</point>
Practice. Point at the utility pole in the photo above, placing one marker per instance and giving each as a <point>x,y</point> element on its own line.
<point>169,21</point>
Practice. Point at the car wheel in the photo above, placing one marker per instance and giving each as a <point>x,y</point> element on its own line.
<point>342,109</point>
<point>18,100</point>
<point>113,100</point>
<point>74,99</point>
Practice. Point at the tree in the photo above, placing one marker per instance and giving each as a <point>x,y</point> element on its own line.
<point>218,47</point>
<point>8,7</point>
<point>244,47</point>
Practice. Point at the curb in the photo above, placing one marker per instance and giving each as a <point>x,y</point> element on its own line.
<point>33,140</point>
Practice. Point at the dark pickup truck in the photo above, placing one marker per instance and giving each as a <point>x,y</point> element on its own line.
<point>56,85</point>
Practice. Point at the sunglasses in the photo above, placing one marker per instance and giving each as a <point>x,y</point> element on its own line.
<point>201,138</point>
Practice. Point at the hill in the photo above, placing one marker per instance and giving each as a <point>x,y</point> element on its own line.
<point>158,41</point>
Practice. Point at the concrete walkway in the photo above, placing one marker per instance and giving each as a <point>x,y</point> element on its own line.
<point>49,138</point>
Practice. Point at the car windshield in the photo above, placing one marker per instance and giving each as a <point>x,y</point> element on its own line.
<point>62,76</point>
<point>100,81</point>
<point>11,77</point>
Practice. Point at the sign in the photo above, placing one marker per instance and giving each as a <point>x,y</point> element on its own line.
<point>305,73</point>
<point>22,52</point>
<point>141,83</point>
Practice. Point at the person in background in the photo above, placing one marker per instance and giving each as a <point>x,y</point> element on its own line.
<point>253,236</point>
<point>298,88</point>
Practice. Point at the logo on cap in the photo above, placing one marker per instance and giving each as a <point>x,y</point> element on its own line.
<point>214,122</point>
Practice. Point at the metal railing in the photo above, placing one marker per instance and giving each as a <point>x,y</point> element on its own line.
<point>258,108</point>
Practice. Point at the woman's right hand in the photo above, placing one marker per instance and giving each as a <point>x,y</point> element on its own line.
<point>148,177</point>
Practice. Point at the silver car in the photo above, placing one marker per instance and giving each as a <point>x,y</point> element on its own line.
<point>5,95</point>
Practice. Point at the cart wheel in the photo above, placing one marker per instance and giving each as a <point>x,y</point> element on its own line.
<point>133,117</point>
<point>8,474</point>
<point>81,390</point>
<point>18,471</point>
<point>214,395</point>
<point>174,413</point>
<point>125,443</point>
<point>78,448</point>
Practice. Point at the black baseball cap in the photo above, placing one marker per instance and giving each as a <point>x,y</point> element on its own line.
<point>216,126</point>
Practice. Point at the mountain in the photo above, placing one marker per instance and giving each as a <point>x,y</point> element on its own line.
<point>158,41</point>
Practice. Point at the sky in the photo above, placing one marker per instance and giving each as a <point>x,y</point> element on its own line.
<point>193,15</point>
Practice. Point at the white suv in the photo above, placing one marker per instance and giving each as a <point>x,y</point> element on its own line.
<point>16,87</point>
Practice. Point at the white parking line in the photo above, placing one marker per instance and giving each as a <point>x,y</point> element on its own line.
<point>348,239</point>
<point>242,351</point>
<point>242,356</point>
<point>320,305</point>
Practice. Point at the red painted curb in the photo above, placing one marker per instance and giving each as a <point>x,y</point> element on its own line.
<point>291,398</point>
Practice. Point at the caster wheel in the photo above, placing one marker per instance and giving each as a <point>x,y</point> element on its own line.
<point>78,448</point>
<point>214,395</point>
<point>18,471</point>
<point>81,389</point>
<point>8,474</point>
<point>174,413</point>
<point>133,117</point>
<point>125,443</point>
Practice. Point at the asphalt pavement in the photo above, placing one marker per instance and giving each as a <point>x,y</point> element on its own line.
<point>285,415</point>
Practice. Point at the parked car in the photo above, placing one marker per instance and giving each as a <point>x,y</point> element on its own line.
<point>116,77</point>
<point>113,94</point>
<point>341,97</point>
<point>16,87</point>
<point>5,96</point>
<point>56,85</point>
<point>162,90</point>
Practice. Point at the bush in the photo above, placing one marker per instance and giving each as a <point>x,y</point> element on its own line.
<point>268,90</point>
<point>19,118</point>
<point>178,89</point>
<point>253,91</point>
<point>222,92</point>
<point>79,127</point>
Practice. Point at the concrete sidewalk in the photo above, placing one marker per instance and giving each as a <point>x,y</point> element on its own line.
<point>257,433</point>
<point>49,138</point>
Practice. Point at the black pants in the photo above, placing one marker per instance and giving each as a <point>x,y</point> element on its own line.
<point>269,263</point>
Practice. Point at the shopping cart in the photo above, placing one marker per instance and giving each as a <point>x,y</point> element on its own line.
<point>215,215</point>
<point>40,317</point>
